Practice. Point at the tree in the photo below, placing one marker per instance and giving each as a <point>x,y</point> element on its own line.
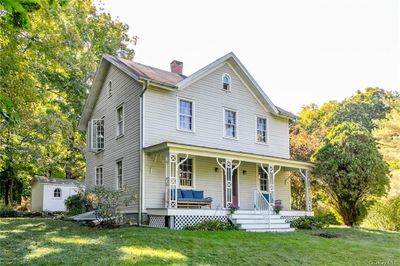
<point>387,134</point>
<point>46,69</point>
<point>350,170</point>
<point>364,108</point>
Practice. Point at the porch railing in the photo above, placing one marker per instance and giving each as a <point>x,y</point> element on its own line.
<point>262,206</point>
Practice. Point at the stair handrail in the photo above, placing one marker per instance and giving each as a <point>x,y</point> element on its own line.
<point>263,206</point>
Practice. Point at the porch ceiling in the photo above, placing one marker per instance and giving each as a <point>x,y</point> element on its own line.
<point>173,147</point>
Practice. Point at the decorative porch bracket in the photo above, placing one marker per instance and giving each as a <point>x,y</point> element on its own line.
<point>172,170</point>
<point>228,175</point>
<point>305,176</point>
<point>271,173</point>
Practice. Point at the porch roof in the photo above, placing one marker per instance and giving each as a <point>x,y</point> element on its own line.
<point>174,147</point>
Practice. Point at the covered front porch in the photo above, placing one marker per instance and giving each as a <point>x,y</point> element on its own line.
<point>230,179</point>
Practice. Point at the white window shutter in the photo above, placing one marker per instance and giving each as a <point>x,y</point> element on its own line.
<point>89,135</point>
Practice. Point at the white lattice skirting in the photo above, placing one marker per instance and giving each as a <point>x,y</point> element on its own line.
<point>183,220</point>
<point>157,221</point>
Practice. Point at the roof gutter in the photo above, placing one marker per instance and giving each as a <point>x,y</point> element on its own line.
<point>141,152</point>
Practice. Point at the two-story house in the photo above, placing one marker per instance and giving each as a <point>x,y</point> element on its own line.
<point>190,147</point>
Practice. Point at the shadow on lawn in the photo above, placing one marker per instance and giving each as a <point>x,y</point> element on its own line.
<point>34,242</point>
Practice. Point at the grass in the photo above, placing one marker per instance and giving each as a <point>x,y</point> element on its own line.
<point>49,242</point>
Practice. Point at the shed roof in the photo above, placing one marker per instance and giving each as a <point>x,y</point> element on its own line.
<point>60,181</point>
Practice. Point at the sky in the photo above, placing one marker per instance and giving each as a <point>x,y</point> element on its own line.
<point>299,52</point>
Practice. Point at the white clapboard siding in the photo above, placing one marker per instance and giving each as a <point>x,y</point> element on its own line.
<point>126,91</point>
<point>210,99</point>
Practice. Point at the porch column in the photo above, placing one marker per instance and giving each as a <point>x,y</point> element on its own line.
<point>172,180</point>
<point>228,173</point>
<point>228,183</point>
<point>305,174</point>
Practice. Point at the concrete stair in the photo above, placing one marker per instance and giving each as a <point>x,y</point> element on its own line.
<point>253,221</point>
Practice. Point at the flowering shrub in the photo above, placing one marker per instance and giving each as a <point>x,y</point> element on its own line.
<point>308,222</point>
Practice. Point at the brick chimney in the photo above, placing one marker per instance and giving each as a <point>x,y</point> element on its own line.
<point>176,67</point>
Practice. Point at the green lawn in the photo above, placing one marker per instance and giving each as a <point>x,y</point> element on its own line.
<point>48,242</point>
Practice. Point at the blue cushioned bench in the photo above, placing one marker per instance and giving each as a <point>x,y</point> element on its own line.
<point>192,198</point>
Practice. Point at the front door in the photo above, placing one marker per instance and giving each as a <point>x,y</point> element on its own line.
<point>235,190</point>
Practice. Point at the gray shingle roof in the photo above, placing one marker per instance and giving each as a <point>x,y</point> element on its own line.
<point>61,181</point>
<point>149,72</point>
<point>286,113</point>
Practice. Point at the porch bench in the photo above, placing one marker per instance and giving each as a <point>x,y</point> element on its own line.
<point>192,198</point>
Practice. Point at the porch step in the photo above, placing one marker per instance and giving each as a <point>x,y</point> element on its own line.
<point>258,221</point>
<point>252,221</point>
<point>264,226</point>
<point>253,216</point>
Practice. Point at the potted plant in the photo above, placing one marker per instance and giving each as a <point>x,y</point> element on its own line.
<point>232,208</point>
<point>278,206</point>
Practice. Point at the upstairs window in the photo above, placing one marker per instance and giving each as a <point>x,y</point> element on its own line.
<point>99,176</point>
<point>57,193</point>
<point>97,135</point>
<point>262,134</point>
<point>120,121</point>
<point>226,82</point>
<point>230,120</point>
<point>119,175</point>
<point>186,173</point>
<point>185,119</point>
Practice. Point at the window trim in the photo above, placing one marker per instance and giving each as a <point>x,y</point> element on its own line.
<point>258,169</point>
<point>193,186</point>
<point>96,150</point>
<point>180,98</point>
<point>222,82</point>
<point>122,174</point>
<point>267,130</point>
<point>95,175</point>
<point>60,197</point>
<point>237,123</point>
<point>121,134</point>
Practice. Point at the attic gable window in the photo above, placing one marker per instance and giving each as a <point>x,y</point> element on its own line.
<point>96,135</point>
<point>226,82</point>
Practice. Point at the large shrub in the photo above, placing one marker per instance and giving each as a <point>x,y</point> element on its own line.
<point>384,215</point>
<point>106,203</point>
<point>212,225</point>
<point>77,204</point>
<point>351,171</point>
<point>309,222</point>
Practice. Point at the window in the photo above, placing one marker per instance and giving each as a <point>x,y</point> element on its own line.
<point>97,135</point>
<point>57,193</point>
<point>263,180</point>
<point>120,121</point>
<point>186,173</point>
<point>226,82</point>
<point>262,136</point>
<point>99,176</point>
<point>119,175</point>
<point>185,115</point>
<point>109,88</point>
<point>230,121</point>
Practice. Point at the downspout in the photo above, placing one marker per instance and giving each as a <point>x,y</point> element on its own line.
<point>141,155</point>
